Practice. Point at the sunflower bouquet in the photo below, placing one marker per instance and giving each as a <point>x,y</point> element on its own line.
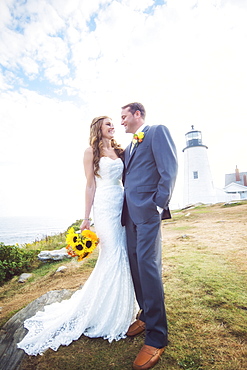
<point>82,244</point>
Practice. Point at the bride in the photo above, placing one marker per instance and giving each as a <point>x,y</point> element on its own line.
<point>105,306</point>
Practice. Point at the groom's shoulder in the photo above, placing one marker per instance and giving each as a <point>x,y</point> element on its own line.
<point>157,128</point>
<point>154,127</point>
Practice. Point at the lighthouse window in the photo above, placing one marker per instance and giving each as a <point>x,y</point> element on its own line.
<point>195,174</point>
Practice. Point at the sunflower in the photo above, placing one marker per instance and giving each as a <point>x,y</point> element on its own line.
<point>89,245</point>
<point>79,249</point>
<point>72,238</point>
<point>82,256</point>
<point>90,235</point>
<point>82,244</point>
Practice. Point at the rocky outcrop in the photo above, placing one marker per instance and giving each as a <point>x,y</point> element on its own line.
<point>13,331</point>
<point>55,255</point>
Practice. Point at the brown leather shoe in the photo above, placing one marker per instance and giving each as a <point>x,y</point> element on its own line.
<point>147,357</point>
<point>136,328</point>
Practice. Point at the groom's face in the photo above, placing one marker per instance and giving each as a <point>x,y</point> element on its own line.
<point>128,120</point>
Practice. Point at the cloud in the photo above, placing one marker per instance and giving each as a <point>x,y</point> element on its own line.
<point>44,146</point>
<point>64,62</point>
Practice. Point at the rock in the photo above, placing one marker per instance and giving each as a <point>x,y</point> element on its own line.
<point>55,255</point>
<point>13,331</point>
<point>61,268</point>
<point>182,237</point>
<point>24,277</point>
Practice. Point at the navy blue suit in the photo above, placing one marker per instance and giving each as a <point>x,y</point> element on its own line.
<point>149,178</point>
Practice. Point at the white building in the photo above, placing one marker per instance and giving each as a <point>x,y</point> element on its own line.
<point>236,185</point>
<point>198,182</point>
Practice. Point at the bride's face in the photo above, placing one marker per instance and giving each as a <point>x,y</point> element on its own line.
<point>107,129</point>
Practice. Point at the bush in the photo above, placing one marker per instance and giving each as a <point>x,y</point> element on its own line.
<point>15,260</point>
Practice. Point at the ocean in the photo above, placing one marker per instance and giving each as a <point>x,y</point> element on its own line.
<point>23,230</point>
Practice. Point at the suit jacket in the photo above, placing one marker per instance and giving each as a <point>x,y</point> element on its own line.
<point>149,175</point>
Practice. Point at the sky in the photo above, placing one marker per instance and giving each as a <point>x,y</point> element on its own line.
<point>64,62</point>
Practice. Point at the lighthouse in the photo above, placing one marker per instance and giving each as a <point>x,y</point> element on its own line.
<point>198,182</point>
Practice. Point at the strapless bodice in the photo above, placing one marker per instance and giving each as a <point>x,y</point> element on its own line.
<point>110,172</point>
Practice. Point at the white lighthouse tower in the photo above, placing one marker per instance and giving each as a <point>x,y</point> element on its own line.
<point>198,182</point>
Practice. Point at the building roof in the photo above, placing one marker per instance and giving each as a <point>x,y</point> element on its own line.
<point>233,187</point>
<point>231,177</point>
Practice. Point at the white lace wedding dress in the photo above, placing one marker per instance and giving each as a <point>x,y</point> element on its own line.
<point>105,306</point>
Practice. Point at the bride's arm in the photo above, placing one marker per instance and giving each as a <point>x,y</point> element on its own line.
<point>90,186</point>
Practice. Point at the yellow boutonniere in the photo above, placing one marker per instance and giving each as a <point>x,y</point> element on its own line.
<point>82,244</point>
<point>138,138</point>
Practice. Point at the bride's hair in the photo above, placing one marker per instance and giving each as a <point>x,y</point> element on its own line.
<point>95,141</point>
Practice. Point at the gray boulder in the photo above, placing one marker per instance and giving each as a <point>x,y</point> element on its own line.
<point>13,331</point>
<point>61,269</point>
<point>55,255</point>
<point>24,277</point>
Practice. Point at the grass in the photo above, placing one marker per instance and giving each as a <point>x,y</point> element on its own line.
<point>205,280</point>
<point>48,243</point>
<point>206,304</point>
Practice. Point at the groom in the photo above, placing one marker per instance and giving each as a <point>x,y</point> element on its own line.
<point>149,178</point>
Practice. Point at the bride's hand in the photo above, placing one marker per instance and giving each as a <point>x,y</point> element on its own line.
<point>85,225</point>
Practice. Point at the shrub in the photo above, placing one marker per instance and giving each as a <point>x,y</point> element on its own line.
<point>15,260</point>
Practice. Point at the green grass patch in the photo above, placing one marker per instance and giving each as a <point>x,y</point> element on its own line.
<point>232,204</point>
<point>47,267</point>
<point>90,263</point>
<point>206,304</point>
<point>202,210</point>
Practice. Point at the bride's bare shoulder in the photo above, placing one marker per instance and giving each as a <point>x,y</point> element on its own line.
<point>88,155</point>
<point>88,152</point>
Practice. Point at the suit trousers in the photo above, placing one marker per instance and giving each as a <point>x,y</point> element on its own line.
<point>144,250</point>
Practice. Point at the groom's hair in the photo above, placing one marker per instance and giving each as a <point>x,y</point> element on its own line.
<point>133,107</point>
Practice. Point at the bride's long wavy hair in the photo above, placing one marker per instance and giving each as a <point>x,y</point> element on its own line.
<point>95,141</point>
